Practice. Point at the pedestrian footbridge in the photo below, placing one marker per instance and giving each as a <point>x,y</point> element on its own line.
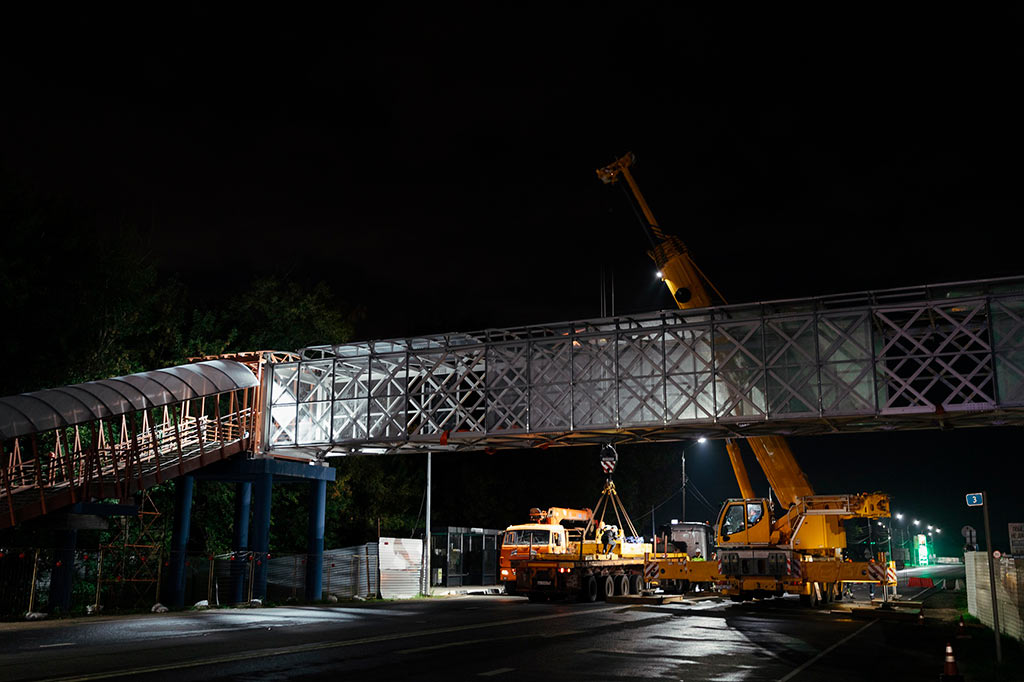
<point>924,357</point>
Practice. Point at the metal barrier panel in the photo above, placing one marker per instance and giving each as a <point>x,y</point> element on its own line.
<point>928,357</point>
<point>347,572</point>
<point>401,567</point>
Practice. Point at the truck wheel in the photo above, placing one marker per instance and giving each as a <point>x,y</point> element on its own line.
<point>536,596</point>
<point>588,591</point>
<point>634,584</point>
<point>605,587</point>
<point>622,584</point>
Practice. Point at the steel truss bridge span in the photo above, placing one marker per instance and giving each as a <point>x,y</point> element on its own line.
<point>925,357</point>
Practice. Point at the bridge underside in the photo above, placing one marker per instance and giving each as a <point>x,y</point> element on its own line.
<point>934,357</point>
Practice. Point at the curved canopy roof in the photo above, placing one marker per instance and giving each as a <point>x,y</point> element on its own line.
<point>53,408</point>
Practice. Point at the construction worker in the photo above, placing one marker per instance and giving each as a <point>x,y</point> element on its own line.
<point>607,540</point>
<point>697,556</point>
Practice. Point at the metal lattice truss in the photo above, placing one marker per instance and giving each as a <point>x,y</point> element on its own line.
<point>928,357</point>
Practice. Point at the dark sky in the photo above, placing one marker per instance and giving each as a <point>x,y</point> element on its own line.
<point>437,165</point>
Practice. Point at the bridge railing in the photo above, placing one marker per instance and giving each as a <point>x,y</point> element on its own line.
<point>116,457</point>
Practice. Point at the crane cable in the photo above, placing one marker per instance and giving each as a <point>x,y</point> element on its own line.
<point>649,230</point>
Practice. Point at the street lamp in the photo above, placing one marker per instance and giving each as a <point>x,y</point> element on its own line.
<point>682,457</point>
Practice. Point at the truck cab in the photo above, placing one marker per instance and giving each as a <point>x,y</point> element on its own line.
<point>687,537</point>
<point>525,541</point>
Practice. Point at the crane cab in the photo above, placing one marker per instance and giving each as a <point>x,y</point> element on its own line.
<point>744,522</point>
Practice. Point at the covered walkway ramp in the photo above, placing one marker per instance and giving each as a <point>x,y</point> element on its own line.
<point>115,437</point>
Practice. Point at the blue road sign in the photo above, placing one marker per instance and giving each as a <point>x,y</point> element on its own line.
<point>975,500</point>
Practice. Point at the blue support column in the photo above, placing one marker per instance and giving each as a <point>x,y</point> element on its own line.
<point>263,488</point>
<point>183,487</point>
<point>63,571</point>
<point>243,498</point>
<point>315,540</point>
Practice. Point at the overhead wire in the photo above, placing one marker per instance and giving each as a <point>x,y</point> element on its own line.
<point>699,496</point>
<point>659,505</point>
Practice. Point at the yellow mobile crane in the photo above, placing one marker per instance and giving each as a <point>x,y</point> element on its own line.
<point>761,551</point>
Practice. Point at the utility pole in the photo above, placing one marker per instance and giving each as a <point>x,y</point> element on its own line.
<point>991,576</point>
<point>426,537</point>
<point>683,458</point>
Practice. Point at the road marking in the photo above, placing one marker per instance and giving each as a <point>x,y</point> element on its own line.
<point>496,671</point>
<point>50,646</point>
<point>811,662</point>
<point>448,645</point>
<point>319,646</point>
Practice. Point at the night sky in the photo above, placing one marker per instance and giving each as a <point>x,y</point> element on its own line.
<point>436,166</point>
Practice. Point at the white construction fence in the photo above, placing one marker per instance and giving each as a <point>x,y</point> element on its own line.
<point>1009,575</point>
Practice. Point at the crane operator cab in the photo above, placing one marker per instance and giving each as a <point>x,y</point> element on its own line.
<point>744,522</point>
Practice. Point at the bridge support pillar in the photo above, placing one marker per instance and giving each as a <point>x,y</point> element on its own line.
<point>183,487</point>
<point>263,488</point>
<point>243,498</point>
<point>63,570</point>
<point>315,540</point>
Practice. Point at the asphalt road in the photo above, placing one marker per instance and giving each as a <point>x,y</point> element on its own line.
<point>478,637</point>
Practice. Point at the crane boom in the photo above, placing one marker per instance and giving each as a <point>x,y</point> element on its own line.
<point>686,283</point>
<point>681,275</point>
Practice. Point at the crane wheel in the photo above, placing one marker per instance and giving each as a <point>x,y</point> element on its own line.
<point>811,599</point>
<point>588,591</point>
<point>634,584</point>
<point>622,584</point>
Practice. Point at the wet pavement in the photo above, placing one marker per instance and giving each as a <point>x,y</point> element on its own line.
<point>493,636</point>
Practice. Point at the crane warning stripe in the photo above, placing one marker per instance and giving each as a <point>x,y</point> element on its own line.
<point>651,570</point>
<point>877,571</point>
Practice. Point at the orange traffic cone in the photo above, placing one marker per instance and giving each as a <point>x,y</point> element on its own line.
<point>961,631</point>
<point>949,669</point>
<point>920,617</point>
